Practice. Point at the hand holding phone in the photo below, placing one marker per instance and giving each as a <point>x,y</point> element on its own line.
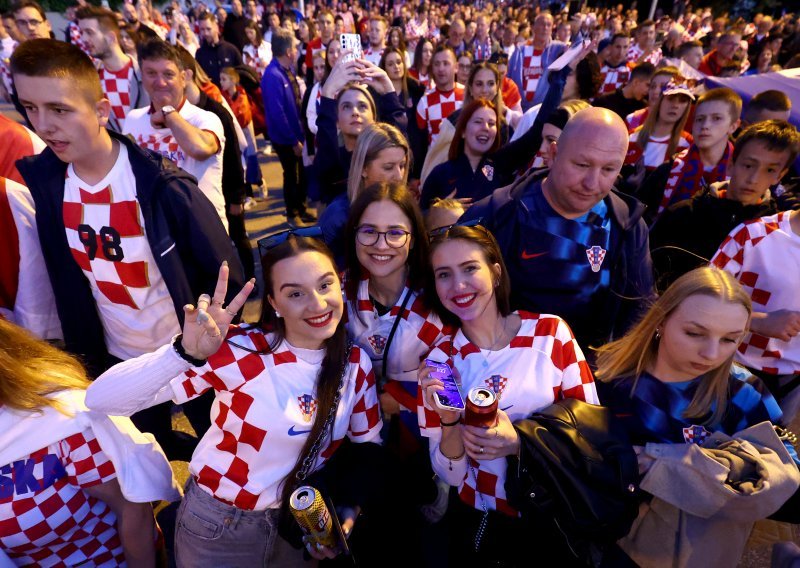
<point>450,398</point>
<point>351,42</point>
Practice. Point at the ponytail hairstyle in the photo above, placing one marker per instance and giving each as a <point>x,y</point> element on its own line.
<point>637,351</point>
<point>336,353</point>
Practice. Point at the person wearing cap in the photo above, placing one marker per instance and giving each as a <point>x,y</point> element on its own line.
<point>662,135</point>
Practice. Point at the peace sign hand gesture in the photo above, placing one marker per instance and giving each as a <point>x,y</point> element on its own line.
<point>205,326</point>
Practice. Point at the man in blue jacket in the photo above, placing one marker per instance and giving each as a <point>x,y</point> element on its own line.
<point>282,113</point>
<point>128,238</point>
<point>571,245</point>
<point>528,64</point>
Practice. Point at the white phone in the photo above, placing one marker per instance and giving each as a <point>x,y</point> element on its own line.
<point>353,43</point>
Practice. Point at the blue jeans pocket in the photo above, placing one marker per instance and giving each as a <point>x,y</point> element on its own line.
<point>199,527</point>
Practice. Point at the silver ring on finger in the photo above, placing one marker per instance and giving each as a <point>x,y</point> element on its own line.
<point>230,313</point>
<point>481,450</point>
<point>216,303</point>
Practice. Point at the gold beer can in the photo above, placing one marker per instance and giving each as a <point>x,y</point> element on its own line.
<point>311,513</point>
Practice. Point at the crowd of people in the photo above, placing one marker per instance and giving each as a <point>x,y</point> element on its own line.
<point>556,203</point>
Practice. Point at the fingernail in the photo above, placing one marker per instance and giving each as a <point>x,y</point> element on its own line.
<point>202,316</point>
<point>188,307</point>
<point>224,263</point>
<point>252,281</point>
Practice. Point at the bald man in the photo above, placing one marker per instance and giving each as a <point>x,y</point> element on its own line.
<point>573,246</point>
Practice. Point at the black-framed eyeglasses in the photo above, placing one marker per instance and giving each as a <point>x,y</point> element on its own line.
<point>368,236</point>
<point>271,241</point>
<point>439,231</point>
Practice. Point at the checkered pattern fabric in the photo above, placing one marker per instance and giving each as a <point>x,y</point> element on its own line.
<point>263,413</point>
<point>417,332</point>
<point>635,52</point>
<point>116,86</point>
<point>636,119</point>
<point>106,236</point>
<point>257,58</point>
<point>76,39</point>
<point>435,106</point>
<point>614,77</point>
<point>656,152</point>
<point>764,255</point>
<point>424,80</point>
<point>531,70</point>
<point>543,363</point>
<point>373,55</point>
<point>5,75</point>
<point>47,519</point>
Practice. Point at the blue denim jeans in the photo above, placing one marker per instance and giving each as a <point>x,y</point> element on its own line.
<point>211,533</point>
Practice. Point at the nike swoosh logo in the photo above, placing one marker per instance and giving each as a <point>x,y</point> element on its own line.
<point>293,432</point>
<point>527,256</point>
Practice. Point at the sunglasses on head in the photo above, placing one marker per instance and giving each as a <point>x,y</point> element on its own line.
<point>271,241</point>
<point>440,231</point>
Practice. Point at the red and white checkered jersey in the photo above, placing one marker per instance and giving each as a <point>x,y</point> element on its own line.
<point>76,39</point>
<point>635,119</point>
<point>655,153</point>
<point>531,70</point>
<point>117,88</point>
<point>257,58</point>
<point>635,52</point>
<point>5,75</point>
<point>764,255</point>
<point>46,517</point>
<point>373,55</point>
<point>542,364</point>
<point>105,232</point>
<point>263,412</point>
<point>208,172</point>
<point>417,332</point>
<point>614,77</point>
<point>435,106</point>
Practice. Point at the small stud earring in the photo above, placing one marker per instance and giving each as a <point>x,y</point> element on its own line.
<point>658,334</point>
<point>278,314</point>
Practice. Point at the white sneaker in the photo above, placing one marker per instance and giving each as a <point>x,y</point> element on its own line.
<point>267,149</point>
<point>249,203</point>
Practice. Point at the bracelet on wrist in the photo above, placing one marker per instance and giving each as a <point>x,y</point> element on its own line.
<point>177,345</point>
<point>453,423</point>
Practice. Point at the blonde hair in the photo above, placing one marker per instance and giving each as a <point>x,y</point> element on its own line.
<point>637,351</point>
<point>573,106</point>
<point>375,138</point>
<point>31,371</point>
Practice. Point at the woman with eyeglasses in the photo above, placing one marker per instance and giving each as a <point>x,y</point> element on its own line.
<point>289,394</point>
<point>673,382</point>
<point>527,360</point>
<point>388,317</point>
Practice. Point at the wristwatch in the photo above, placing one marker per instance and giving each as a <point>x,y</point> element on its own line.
<point>167,109</point>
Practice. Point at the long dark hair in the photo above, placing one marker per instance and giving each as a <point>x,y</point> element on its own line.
<point>398,194</point>
<point>491,253</point>
<point>335,346</point>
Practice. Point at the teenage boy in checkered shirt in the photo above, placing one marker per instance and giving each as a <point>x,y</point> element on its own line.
<point>120,76</point>
<point>448,96</point>
<point>128,239</point>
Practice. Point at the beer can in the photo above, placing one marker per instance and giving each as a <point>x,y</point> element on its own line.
<point>481,408</point>
<point>309,510</point>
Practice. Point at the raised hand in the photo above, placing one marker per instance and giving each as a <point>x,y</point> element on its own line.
<point>342,73</point>
<point>206,325</point>
<point>376,77</point>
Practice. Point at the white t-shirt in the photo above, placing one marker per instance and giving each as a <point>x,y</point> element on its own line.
<point>106,234</point>
<point>34,306</point>
<point>764,255</point>
<point>542,364</point>
<point>262,414</point>
<point>208,172</point>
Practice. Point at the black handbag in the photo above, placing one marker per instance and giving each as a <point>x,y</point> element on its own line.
<point>577,467</point>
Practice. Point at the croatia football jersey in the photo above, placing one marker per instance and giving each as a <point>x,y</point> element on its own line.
<point>417,332</point>
<point>542,364</point>
<point>208,172</point>
<point>764,255</point>
<point>435,106</point>
<point>106,235</point>
<point>531,70</point>
<point>373,55</point>
<point>46,517</point>
<point>117,88</point>
<point>655,153</point>
<point>635,52</point>
<point>614,77</point>
<point>263,411</point>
